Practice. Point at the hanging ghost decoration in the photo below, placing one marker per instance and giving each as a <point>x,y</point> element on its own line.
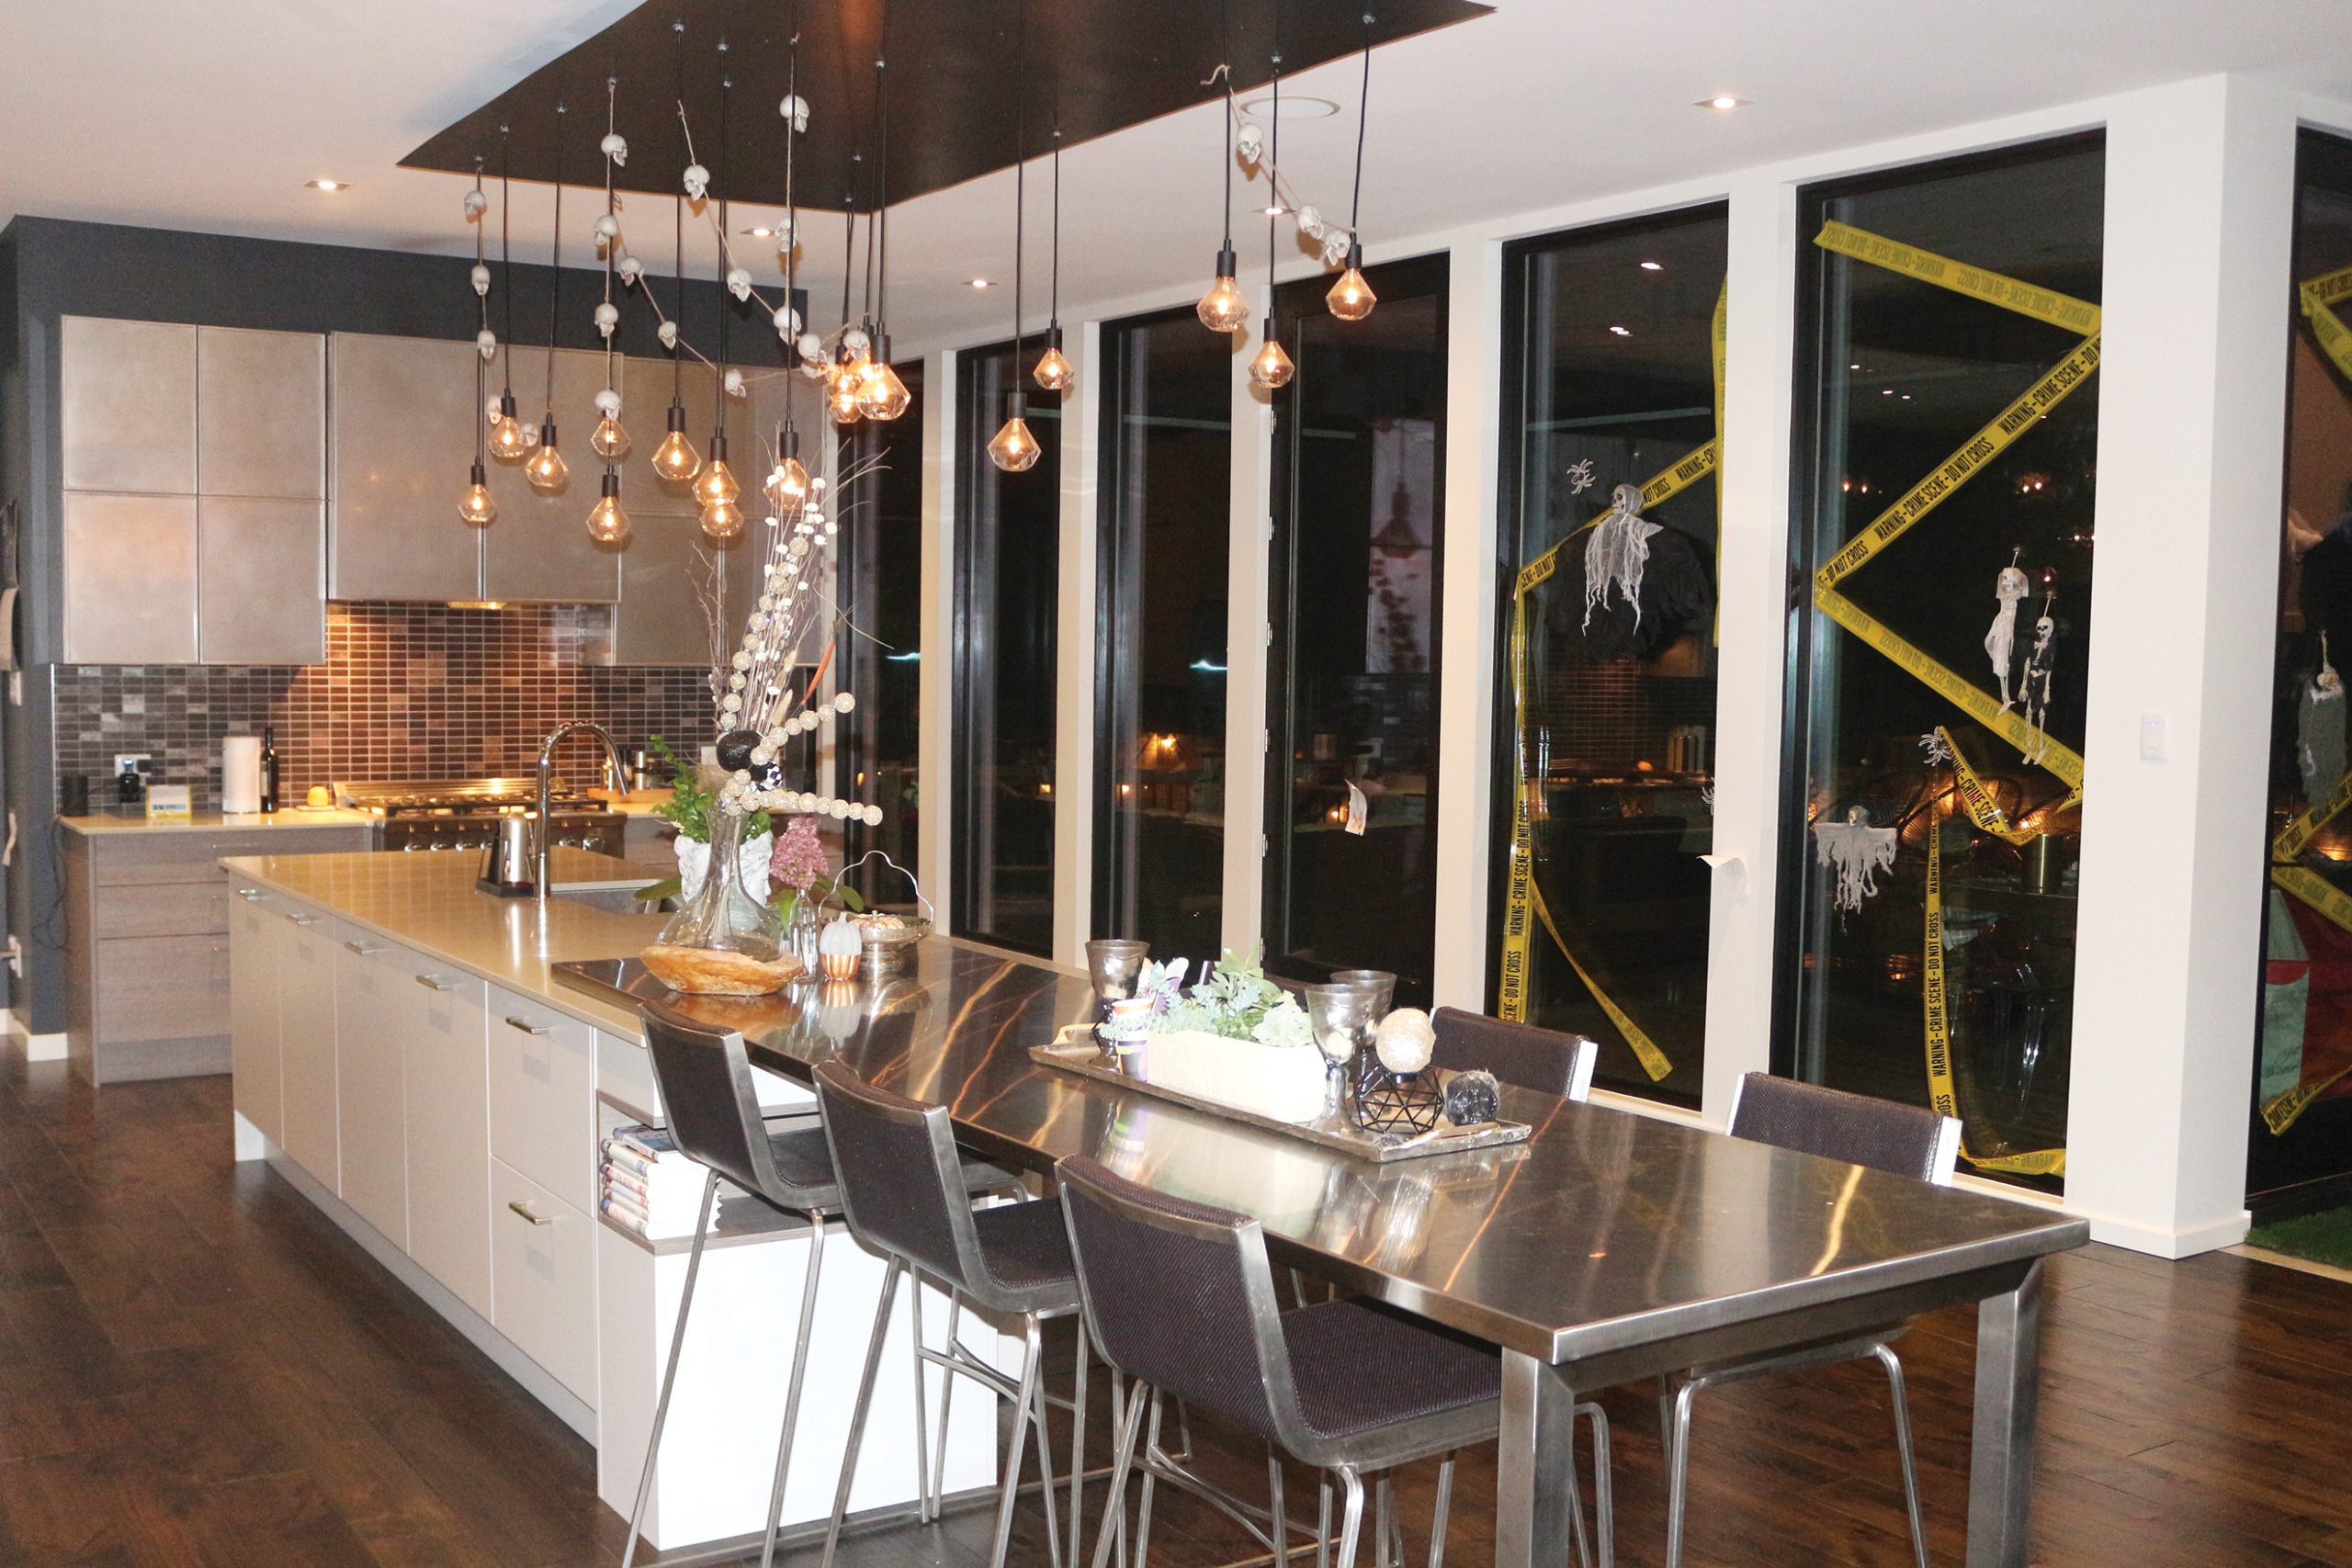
<point>2001,641</point>
<point>1617,553</point>
<point>2033,689</point>
<point>2320,730</point>
<point>1858,852</point>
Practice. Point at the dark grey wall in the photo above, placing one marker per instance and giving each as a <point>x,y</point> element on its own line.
<point>51,268</point>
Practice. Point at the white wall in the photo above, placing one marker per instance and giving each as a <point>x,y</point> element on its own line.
<point>2199,189</point>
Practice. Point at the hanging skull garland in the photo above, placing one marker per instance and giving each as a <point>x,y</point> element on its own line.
<point>1249,143</point>
<point>697,180</point>
<point>486,340</point>
<point>668,332</point>
<point>608,316</point>
<point>734,383</point>
<point>482,280</point>
<point>739,282</point>
<point>796,109</point>
<point>1858,852</point>
<point>614,148</point>
<point>629,267</point>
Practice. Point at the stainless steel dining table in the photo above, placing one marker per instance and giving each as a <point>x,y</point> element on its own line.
<point>1609,1247</point>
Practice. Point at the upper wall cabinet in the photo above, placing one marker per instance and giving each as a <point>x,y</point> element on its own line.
<point>127,406</point>
<point>402,439</point>
<point>261,402</point>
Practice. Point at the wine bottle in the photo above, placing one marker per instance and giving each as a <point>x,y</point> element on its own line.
<point>269,767</point>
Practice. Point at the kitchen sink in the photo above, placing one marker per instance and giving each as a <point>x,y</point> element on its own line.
<point>617,900</point>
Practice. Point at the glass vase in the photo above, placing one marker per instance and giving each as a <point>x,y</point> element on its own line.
<point>723,941</point>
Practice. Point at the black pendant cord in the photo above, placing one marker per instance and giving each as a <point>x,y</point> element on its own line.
<point>1226,15</point>
<point>612,242</point>
<point>718,371</point>
<point>678,255</point>
<point>791,212</point>
<point>1020,165</point>
<point>1355,202</point>
<point>848,248</point>
<point>1274,163</point>
<point>555,263</point>
<point>882,187</point>
<point>506,253</point>
<point>1053,309</point>
<point>481,362</point>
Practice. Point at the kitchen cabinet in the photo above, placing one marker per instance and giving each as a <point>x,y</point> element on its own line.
<point>127,394</point>
<point>261,589</point>
<point>261,406</point>
<point>442,1030</point>
<point>257,929</point>
<point>543,1278</point>
<point>306,1016</point>
<point>130,578</point>
<point>371,983</point>
<point>542,1096</point>
<point>401,438</point>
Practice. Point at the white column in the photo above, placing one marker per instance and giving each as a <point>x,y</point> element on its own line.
<point>1076,660</point>
<point>2192,391</point>
<point>1759,366</point>
<point>1247,616</point>
<point>1465,731</point>
<point>933,750</point>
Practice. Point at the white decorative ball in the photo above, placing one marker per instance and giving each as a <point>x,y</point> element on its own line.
<point>837,808</point>
<point>844,703</point>
<point>1404,1040</point>
<point>873,817</point>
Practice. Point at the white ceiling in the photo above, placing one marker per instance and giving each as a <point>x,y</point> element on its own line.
<point>211,117</point>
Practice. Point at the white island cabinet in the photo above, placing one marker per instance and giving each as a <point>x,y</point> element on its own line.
<point>404,1060</point>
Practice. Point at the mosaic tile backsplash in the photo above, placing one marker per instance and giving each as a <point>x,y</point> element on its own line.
<point>408,692</point>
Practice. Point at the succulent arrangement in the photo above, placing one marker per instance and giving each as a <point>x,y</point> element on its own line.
<point>1234,999</point>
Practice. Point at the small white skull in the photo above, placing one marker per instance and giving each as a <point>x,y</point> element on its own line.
<point>608,316</point>
<point>813,368</point>
<point>1310,222</point>
<point>787,322</point>
<point>493,408</point>
<point>1251,142</point>
<point>476,204</point>
<point>1335,246</point>
<point>739,282</point>
<point>482,279</point>
<point>785,235</point>
<point>735,383</point>
<point>796,109</point>
<point>697,180</point>
<point>608,228</point>
<point>629,267</point>
<point>614,148</point>
<point>487,341</point>
<point>855,343</point>
<point>668,334</point>
<point>812,350</point>
<point>608,404</point>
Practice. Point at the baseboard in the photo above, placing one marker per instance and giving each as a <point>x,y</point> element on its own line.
<point>197,1056</point>
<point>567,1407</point>
<point>47,1047</point>
<point>2176,1244</point>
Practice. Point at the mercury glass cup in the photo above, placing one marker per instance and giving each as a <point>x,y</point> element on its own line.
<point>1380,983</point>
<point>1114,965</point>
<point>1341,1018</point>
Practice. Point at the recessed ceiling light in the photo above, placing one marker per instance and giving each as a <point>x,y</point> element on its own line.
<point>1622,332</point>
<point>1292,107</point>
<point>1653,267</point>
<point>1723,103</point>
<point>329,185</point>
<point>1856,366</point>
<point>981,283</point>
<point>1276,209</point>
<point>761,234</point>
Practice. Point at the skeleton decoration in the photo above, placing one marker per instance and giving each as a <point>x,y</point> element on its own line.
<point>1858,852</point>
<point>796,109</point>
<point>1580,476</point>
<point>2001,641</point>
<point>608,404</point>
<point>487,341</point>
<point>2033,689</point>
<point>1617,552</point>
<point>2320,730</point>
<point>613,147</point>
<point>697,180</point>
<point>787,322</point>
<point>1933,749</point>
<point>1310,222</point>
<point>608,229</point>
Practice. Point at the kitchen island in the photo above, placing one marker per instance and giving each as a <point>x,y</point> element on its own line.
<point>405,1057</point>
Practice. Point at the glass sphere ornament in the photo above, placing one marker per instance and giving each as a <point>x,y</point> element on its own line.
<point>1352,298</point>
<point>675,459</point>
<point>607,523</point>
<point>1223,308</point>
<point>477,510</point>
<point>1272,368</point>
<point>547,471</point>
<point>1013,448</point>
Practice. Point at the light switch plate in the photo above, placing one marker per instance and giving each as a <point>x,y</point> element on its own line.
<point>2151,738</point>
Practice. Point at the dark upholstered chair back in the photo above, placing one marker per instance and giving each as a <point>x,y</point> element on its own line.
<point>902,1188</point>
<point>1908,1140</point>
<point>1540,1059</point>
<point>1179,1295</point>
<point>712,1109</point>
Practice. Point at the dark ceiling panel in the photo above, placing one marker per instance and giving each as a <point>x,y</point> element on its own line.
<point>956,79</point>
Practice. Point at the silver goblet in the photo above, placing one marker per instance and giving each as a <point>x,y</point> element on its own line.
<point>1114,965</point>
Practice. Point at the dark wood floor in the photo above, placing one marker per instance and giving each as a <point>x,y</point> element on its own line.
<point>196,1368</point>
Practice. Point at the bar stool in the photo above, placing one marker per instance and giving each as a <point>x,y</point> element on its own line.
<point>1542,1059</point>
<point>895,1160</point>
<point>1906,1140</point>
<point>1180,1298</point>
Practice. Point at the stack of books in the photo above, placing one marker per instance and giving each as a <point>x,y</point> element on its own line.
<point>648,1186</point>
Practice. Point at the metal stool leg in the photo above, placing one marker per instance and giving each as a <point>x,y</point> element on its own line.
<point>1322,1526</point>
<point>793,1385</point>
<point>1385,1552</point>
<point>1077,1444</point>
<point>925,1510</point>
<point>1902,1447</point>
<point>1011,1487</point>
<point>1678,1470</point>
<point>1125,1422</point>
<point>1351,1516</point>
<point>1143,1508</point>
<point>670,1372</point>
<point>946,1408</point>
<point>857,1416</point>
<point>1282,1515</point>
<point>1040,1415</point>
<point>1438,1516</point>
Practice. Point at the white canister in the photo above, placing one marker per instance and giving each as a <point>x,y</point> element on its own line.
<point>240,774</point>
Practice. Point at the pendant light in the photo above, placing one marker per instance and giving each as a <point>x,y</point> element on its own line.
<point>510,439</point>
<point>476,509</point>
<point>1054,371</point>
<point>1352,298</point>
<point>1013,448</point>
<point>547,471</point>
<point>1224,309</point>
<point>1270,369</point>
<point>787,486</point>
<point>715,488</point>
<point>675,459</point>
<point>609,441</point>
<point>881,395</point>
<point>846,381</point>
<point>607,523</point>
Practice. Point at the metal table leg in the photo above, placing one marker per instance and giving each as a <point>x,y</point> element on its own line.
<point>1535,1478</point>
<point>2000,1472</point>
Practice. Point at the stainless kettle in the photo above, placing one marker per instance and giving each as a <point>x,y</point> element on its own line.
<point>506,867</point>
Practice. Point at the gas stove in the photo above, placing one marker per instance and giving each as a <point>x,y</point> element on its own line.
<point>462,814</point>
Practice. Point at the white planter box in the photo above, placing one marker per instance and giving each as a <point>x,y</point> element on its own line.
<point>1284,1083</point>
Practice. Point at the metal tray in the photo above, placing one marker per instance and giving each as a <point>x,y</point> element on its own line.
<point>1083,1057</point>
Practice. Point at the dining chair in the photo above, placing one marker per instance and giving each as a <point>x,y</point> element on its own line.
<point>1906,1140</point>
<point>897,1163</point>
<point>1179,1299</point>
<point>1542,1059</point>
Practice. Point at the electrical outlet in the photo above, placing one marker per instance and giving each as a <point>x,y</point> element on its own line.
<point>140,762</point>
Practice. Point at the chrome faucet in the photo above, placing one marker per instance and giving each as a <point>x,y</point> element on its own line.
<point>543,832</point>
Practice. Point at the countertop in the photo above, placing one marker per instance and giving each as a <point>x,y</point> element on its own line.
<point>429,903</point>
<point>102,822</point>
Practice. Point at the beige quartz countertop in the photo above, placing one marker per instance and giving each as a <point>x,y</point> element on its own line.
<point>215,822</point>
<point>428,902</point>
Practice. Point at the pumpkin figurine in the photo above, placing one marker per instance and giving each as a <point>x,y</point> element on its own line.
<point>838,947</point>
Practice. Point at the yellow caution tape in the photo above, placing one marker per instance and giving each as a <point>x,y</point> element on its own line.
<point>2333,336</point>
<point>1977,799</point>
<point>1715,341</point>
<point>1653,1060</point>
<point>1941,1091</point>
<point>2327,289</point>
<point>1993,287</point>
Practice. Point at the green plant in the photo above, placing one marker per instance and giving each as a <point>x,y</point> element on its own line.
<point>1238,1001</point>
<point>690,800</point>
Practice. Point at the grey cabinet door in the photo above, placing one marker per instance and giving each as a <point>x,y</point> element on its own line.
<point>261,413</point>
<point>130,578</point>
<point>539,550</point>
<point>401,441</point>
<point>260,581</point>
<point>665,573</point>
<point>127,406</point>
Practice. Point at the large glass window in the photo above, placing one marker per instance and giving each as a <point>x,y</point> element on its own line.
<point>1607,690</point>
<point>1950,342</point>
<point>1359,485</point>
<point>2301,1140</point>
<point>1167,472</point>
<point>881,586</point>
<point>1008,531</point>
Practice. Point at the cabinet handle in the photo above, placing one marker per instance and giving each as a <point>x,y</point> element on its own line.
<point>526,1026</point>
<point>516,1205</point>
<point>248,892</point>
<point>435,983</point>
<point>365,951</point>
<point>306,921</point>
